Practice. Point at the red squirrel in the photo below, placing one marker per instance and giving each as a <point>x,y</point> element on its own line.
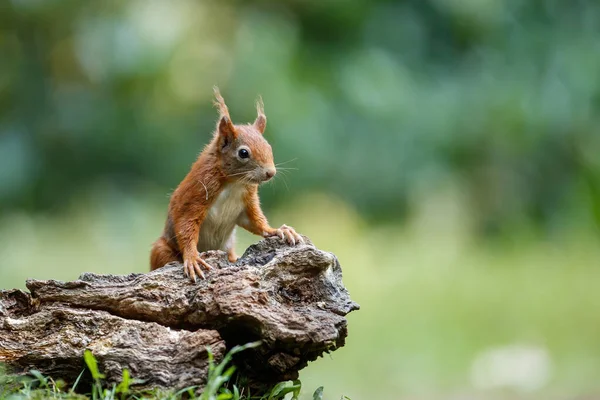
<point>219,193</point>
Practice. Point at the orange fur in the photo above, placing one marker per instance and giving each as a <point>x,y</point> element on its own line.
<point>220,103</point>
<point>256,221</point>
<point>188,207</point>
<point>162,253</point>
<point>197,199</point>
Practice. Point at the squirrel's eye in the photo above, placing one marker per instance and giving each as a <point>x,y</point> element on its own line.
<point>243,153</point>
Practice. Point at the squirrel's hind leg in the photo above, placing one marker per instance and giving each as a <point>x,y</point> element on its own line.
<point>230,248</point>
<point>162,253</point>
<point>231,255</point>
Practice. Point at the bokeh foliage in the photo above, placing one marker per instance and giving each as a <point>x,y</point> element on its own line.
<point>380,102</point>
<point>447,118</point>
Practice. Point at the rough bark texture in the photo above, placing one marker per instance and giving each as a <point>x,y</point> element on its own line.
<point>158,324</point>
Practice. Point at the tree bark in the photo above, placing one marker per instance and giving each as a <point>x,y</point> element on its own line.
<point>158,324</point>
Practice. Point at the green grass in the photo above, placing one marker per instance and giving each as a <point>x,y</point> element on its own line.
<point>434,297</point>
<point>218,387</point>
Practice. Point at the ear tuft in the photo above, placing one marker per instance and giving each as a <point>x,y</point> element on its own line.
<point>220,103</point>
<point>225,128</point>
<point>261,120</point>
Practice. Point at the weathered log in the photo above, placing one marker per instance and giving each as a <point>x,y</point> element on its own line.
<point>158,324</point>
<point>53,338</point>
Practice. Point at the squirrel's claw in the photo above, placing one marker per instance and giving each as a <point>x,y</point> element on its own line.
<point>299,239</point>
<point>198,271</point>
<point>204,263</point>
<point>188,270</point>
<point>290,237</point>
<point>191,268</point>
<point>288,234</point>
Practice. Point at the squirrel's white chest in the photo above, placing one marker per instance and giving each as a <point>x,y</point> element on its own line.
<point>221,218</point>
<point>229,204</point>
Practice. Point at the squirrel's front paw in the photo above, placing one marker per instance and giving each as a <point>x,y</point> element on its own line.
<point>286,233</point>
<point>191,267</point>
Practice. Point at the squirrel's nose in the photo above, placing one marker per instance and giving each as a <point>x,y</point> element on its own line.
<point>270,173</point>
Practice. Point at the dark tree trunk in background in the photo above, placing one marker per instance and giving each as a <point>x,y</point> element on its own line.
<point>158,324</point>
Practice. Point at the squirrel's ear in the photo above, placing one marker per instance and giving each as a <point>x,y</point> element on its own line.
<point>226,130</point>
<point>261,120</point>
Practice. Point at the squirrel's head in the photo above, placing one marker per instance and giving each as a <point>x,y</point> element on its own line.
<point>245,155</point>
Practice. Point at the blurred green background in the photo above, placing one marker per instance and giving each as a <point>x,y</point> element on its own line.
<point>447,151</point>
